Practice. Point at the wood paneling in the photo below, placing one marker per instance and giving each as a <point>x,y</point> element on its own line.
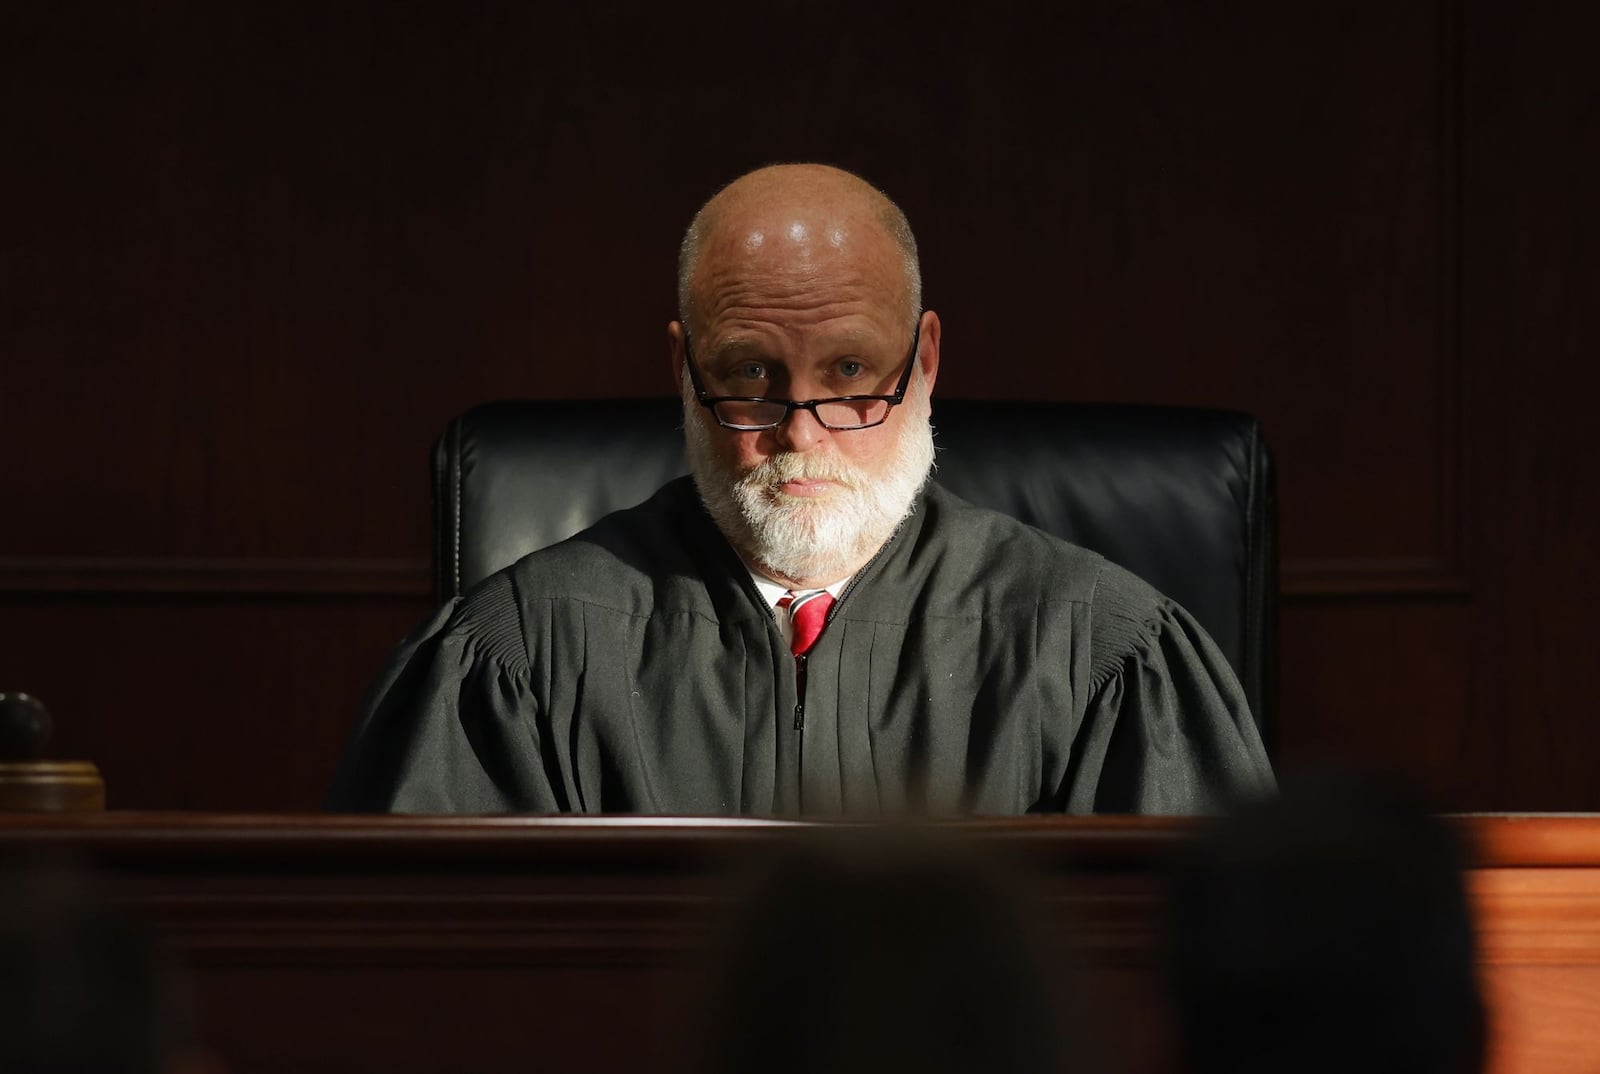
<point>307,249</point>
<point>203,702</point>
<point>1531,286</point>
<point>104,575</point>
<point>254,262</point>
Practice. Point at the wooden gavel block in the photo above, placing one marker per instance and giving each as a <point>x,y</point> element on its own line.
<point>28,784</point>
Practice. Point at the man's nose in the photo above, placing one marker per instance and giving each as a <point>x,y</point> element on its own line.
<point>800,431</point>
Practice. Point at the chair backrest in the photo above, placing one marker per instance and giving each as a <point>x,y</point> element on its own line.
<point>1180,496</point>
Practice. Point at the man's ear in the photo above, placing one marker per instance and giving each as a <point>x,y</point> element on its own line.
<point>675,336</point>
<point>928,349</point>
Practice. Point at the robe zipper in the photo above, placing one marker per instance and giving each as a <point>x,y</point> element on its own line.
<point>800,691</point>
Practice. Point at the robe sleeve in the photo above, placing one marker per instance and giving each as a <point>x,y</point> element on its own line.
<point>451,724</point>
<point>1167,729</point>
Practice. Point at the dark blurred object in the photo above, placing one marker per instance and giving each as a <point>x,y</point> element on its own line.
<point>85,990</point>
<point>24,727</point>
<point>870,953</point>
<point>1327,930</point>
<point>31,785</point>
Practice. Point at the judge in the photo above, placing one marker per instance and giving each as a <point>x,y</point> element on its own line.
<point>808,625</point>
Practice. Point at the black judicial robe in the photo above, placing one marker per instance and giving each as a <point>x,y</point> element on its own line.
<point>976,666</point>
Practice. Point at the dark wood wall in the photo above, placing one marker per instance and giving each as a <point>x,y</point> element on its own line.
<point>254,256</point>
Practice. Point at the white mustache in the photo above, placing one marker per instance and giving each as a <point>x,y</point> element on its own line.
<point>792,466</point>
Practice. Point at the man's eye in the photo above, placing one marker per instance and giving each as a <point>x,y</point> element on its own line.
<point>750,371</point>
<point>851,368</point>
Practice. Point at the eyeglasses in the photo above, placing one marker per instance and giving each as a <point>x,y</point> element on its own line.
<point>752,413</point>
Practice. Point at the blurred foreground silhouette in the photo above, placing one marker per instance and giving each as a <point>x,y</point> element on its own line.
<point>873,952</point>
<point>82,989</point>
<point>1326,930</point>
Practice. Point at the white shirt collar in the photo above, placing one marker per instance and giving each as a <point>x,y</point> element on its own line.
<point>774,591</point>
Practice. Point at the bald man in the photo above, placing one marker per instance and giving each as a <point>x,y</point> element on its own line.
<point>805,626</point>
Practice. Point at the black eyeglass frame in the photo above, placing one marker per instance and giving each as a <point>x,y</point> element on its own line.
<point>791,405</point>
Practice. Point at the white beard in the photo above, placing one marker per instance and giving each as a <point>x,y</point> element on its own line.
<point>823,539</point>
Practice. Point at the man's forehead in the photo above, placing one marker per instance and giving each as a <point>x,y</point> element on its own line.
<point>737,339</point>
<point>773,257</point>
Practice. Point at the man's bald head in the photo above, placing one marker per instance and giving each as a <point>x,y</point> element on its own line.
<point>799,191</point>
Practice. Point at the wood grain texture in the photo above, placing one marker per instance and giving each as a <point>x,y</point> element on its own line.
<point>262,266</point>
<point>1530,284</point>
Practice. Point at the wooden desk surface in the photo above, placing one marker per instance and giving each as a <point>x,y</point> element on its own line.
<point>474,944</point>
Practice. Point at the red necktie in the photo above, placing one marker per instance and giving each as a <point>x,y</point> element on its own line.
<point>809,614</point>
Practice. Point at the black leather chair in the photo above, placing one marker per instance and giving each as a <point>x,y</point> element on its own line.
<point>1182,497</point>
